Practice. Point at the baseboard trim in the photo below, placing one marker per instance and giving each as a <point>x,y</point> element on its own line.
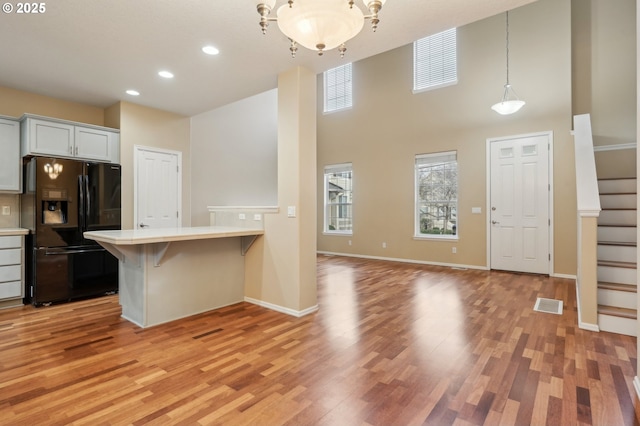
<point>282,309</point>
<point>567,276</point>
<point>396,259</point>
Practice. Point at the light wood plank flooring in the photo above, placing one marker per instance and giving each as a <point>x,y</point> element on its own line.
<point>392,344</point>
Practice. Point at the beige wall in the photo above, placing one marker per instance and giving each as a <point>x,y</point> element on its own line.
<point>280,268</point>
<point>14,103</point>
<point>389,125</point>
<point>140,125</point>
<point>604,78</point>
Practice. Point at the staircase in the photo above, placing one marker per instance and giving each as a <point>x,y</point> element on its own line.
<point>617,276</point>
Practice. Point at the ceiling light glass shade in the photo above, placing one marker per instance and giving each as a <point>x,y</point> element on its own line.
<point>320,24</point>
<point>507,105</point>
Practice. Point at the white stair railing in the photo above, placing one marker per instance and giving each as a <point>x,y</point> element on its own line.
<point>588,212</point>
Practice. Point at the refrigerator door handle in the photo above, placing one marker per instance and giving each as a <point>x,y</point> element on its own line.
<point>81,201</point>
<point>88,198</point>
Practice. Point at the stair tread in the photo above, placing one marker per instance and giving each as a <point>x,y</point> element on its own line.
<point>618,243</point>
<point>617,209</point>
<point>617,178</point>
<point>617,312</point>
<point>629,265</point>
<point>619,193</point>
<point>618,287</point>
<point>616,226</point>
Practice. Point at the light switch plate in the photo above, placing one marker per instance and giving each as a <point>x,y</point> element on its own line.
<point>257,216</point>
<point>476,210</point>
<point>291,211</point>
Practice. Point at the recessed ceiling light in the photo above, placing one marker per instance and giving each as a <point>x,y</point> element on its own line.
<point>165,74</point>
<point>133,92</point>
<point>210,50</point>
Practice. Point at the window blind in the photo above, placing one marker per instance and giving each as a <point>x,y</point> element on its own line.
<point>437,158</point>
<point>435,61</point>
<point>338,88</point>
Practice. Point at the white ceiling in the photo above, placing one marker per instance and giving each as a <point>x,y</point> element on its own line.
<point>91,51</point>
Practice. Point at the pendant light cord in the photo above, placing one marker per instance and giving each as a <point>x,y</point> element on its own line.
<point>507,26</point>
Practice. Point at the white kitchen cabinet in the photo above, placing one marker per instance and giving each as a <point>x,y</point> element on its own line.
<point>10,171</point>
<point>41,136</point>
<point>11,270</point>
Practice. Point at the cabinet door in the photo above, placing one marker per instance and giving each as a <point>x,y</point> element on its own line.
<point>92,144</point>
<point>50,138</point>
<point>9,155</point>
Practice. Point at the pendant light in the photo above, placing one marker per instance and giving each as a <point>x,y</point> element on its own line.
<point>510,102</point>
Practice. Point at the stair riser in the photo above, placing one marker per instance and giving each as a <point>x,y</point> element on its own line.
<point>617,325</point>
<point>617,253</point>
<point>612,274</point>
<point>618,201</point>
<point>617,234</point>
<point>617,185</point>
<point>618,217</point>
<point>618,299</point>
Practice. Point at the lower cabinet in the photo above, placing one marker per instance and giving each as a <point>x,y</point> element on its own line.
<point>11,270</point>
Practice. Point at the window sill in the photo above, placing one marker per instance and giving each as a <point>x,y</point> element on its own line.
<point>435,237</point>
<point>338,233</point>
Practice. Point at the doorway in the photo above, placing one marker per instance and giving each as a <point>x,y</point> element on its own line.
<point>519,199</point>
<point>157,188</point>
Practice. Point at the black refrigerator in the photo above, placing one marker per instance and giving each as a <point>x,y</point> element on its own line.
<point>61,200</point>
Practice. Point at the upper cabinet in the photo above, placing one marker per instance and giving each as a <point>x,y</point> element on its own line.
<point>41,136</point>
<point>9,155</point>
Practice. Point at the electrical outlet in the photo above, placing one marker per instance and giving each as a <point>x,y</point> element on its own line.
<point>257,216</point>
<point>6,210</point>
<point>349,242</point>
<point>454,250</point>
<point>384,245</point>
<point>241,216</point>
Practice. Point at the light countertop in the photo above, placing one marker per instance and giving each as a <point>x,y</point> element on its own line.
<point>166,235</point>
<point>13,231</point>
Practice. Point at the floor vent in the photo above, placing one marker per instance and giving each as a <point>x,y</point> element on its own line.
<point>550,306</point>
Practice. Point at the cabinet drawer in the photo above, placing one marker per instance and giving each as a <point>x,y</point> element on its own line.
<point>11,289</point>
<point>11,241</point>
<point>10,257</point>
<point>10,273</point>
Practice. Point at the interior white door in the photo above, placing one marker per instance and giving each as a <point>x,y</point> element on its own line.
<point>157,189</point>
<point>519,204</point>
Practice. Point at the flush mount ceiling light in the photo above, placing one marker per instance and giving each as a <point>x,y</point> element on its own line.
<point>510,102</point>
<point>165,74</point>
<point>132,92</point>
<point>319,25</point>
<point>210,50</point>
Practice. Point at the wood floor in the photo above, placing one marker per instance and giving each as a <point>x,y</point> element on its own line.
<point>392,344</point>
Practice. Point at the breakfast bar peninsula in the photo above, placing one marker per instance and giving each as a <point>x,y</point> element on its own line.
<point>171,273</point>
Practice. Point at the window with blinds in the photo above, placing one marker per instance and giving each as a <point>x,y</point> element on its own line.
<point>435,61</point>
<point>338,199</point>
<point>337,88</point>
<point>436,195</point>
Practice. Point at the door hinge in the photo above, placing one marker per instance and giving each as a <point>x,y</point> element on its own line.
<point>177,215</point>
<point>31,291</point>
<point>549,222</point>
<point>549,257</point>
<point>177,169</point>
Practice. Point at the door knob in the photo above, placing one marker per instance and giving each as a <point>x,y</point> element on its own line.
<point>142,225</point>
<point>494,222</point>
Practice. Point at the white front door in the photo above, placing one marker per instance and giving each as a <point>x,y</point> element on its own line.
<point>519,204</point>
<point>157,188</point>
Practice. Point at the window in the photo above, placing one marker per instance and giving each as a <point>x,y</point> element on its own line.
<point>338,199</point>
<point>435,61</point>
<point>437,195</point>
<point>337,88</point>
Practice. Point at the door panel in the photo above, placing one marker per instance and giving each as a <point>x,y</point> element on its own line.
<point>519,197</point>
<point>157,189</point>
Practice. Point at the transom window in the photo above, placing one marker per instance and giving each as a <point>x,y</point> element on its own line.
<point>436,195</point>
<point>338,88</point>
<point>338,199</point>
<point>435,61</point>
